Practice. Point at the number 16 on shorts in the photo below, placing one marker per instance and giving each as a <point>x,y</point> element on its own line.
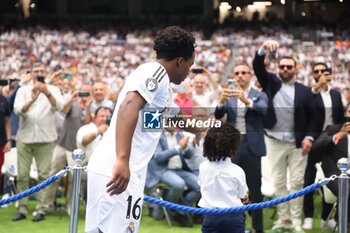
<point>134,208</point>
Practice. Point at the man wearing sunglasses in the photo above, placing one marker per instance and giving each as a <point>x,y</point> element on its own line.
<point>290,127</point>
<point>245,107</point>
<point>329,111</point>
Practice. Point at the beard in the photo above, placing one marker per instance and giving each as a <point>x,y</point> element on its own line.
<point>286,77</point>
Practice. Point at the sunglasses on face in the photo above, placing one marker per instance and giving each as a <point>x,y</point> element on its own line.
<point>241,72</point>
<point>289,67</point>
<point>319,71</point>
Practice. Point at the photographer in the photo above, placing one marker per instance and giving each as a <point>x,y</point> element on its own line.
<point>330,111</point>
<point>5,130</point>
<point>74,112</point>
<point>333,144</point>
<point>204,94</point>
<point>89,135</point>
<point>245,108</point>
<point>36,104</point>
<point>290,129</point>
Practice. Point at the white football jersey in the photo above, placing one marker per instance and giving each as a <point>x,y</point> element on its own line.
<point>151,81</point>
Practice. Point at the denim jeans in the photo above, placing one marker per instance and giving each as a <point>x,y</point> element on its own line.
<point>183,184</point>
<point>227,223</point>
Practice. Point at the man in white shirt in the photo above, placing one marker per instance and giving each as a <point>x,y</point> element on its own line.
<point>205,93</point>
<point>100,91</point>
<point>35,104</point>
<point>117,168</point>
<point>90,134</point>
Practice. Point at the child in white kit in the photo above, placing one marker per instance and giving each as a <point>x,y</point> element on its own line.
<point>223,184</point>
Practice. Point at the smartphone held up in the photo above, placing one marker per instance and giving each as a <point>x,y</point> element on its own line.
<point>197,70</point>
<point>231,84</point>
<point>40,79</point>
<point>83,94</point>
<point>4,82</point>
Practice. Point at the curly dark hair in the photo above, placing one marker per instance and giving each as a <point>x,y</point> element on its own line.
<point>173,42</point>
<point>221,143</point>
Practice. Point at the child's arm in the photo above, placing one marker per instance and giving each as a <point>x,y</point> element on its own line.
<point>245,200</point>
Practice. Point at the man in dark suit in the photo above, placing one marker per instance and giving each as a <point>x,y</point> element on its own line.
<point>330,111</point>
<point>333,144</point>
<point>245,107</point>
<point>291,128</point>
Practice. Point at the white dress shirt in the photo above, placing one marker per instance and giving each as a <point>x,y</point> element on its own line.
<point>37,125</point>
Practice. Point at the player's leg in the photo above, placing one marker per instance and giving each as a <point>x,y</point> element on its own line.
<point>118,213</point>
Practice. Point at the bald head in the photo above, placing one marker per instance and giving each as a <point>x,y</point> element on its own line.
<point>200,83</point>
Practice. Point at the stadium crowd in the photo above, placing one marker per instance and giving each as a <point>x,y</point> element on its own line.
<point>84,72</point>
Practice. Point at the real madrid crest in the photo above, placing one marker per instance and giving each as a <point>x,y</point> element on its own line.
<point>130,228</point>
<point>151,84</point>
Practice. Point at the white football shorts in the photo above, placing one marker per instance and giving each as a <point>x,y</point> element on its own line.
<point>118,213</point>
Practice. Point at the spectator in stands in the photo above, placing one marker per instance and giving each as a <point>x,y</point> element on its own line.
<point>333,144</point>
<point>183,99</point>
<point>74,111</point>
<point>291,129</point>
<point>346,96</point>
<point>245,108</point>
<point>89,135</point>
<point>36,104</point>
<point>168,166</point>
<point>5,133</point>
<point>200,114</point>
<point>205,93</point>
<point>330,111</point>
<point>14,118</point>
<point>99,94</point>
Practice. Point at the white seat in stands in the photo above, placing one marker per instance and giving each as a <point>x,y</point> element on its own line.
<point>10,165</point>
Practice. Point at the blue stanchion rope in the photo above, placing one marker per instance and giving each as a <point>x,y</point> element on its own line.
<point>233,210</point>
<point>34,189</point>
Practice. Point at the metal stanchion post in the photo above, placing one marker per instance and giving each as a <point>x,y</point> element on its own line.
<point>78,156</point>
<point>343,195</point>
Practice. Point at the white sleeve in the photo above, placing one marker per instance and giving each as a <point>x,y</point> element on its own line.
<point>82,131</point>
<point>149,81</point>
<point>19,101</point>
<point>55,91</point>
<point>243,188</point>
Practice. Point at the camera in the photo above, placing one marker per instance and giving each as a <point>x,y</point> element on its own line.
<point>4,82</point>
<point>329,70</point>
<point>197,70</point>
<point>108,120</point>
<point>40,79</point>
<point>273,55</point>
<point>69,76</point>
<point>83,94</point>
<point>231,84</point>
<point>347,119</point>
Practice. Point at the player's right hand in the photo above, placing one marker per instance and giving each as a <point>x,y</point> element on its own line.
<point>120,178</point>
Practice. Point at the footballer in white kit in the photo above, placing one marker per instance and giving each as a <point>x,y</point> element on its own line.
<point>117,168</point>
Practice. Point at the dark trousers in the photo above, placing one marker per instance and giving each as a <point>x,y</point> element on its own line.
<point>309,178</point>
<point>227,223</point>
<point>251,165</point>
